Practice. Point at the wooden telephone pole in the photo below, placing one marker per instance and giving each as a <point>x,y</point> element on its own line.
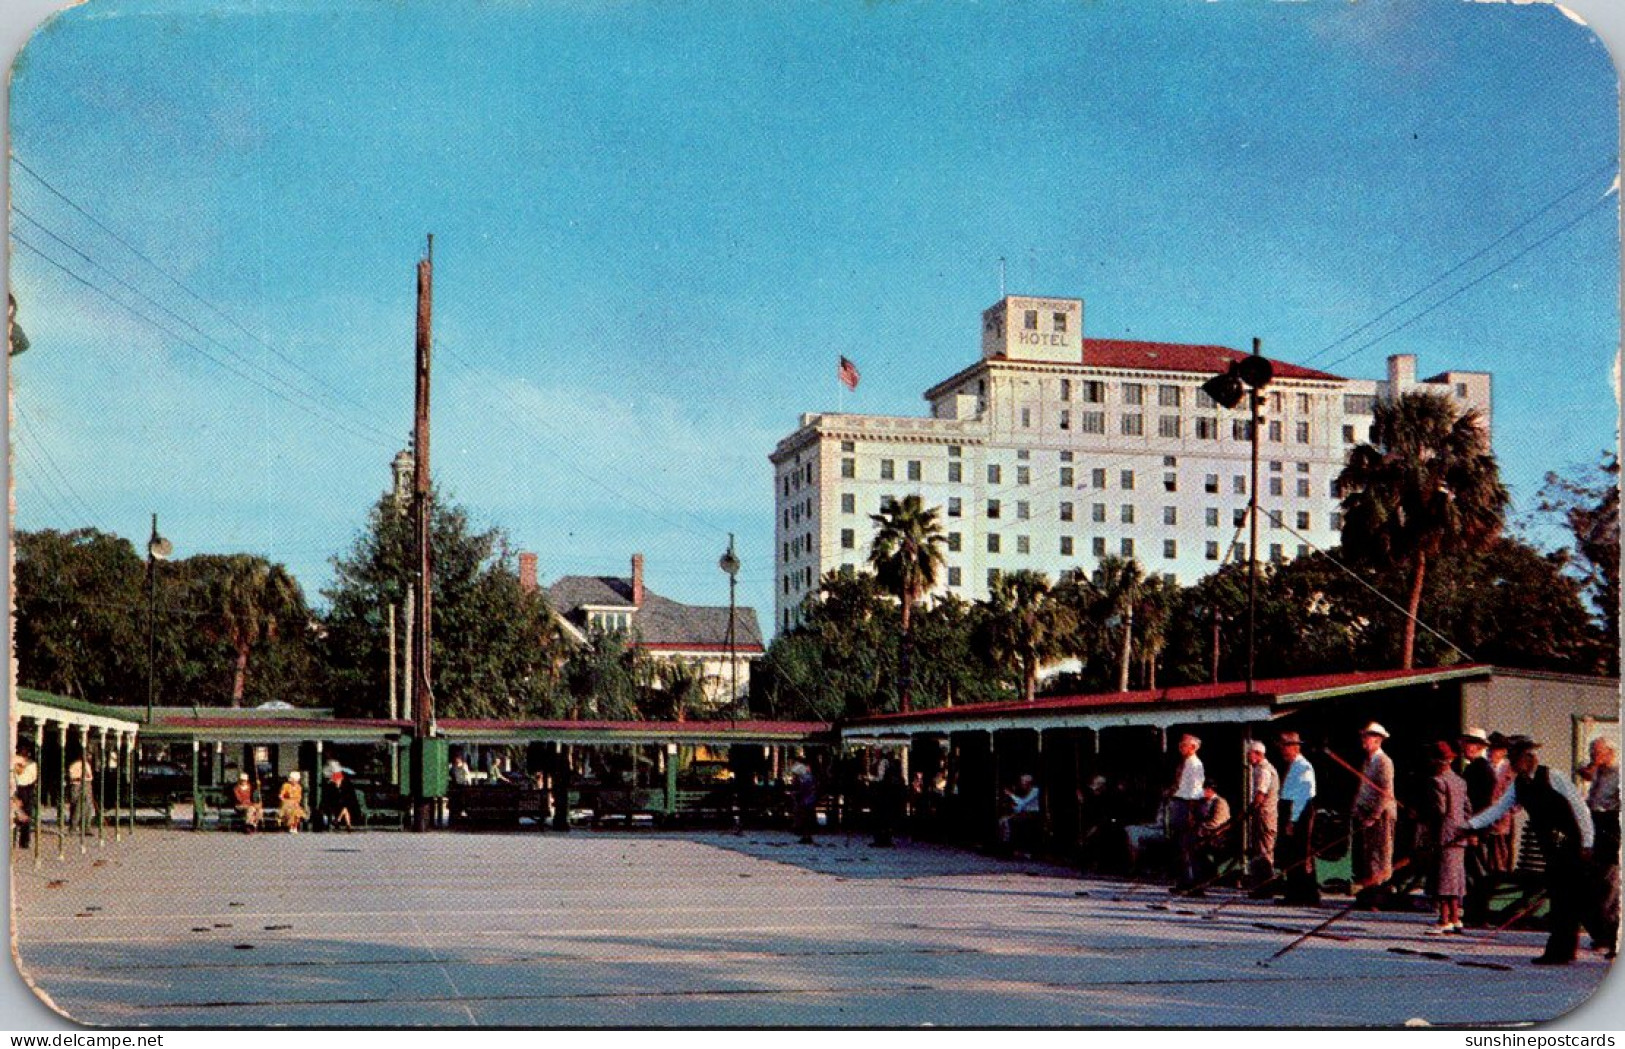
<point>422,697</point>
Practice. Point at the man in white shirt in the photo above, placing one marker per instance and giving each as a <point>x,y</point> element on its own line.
<point>1023,810</point>
<point>1562,823</point>
<point>1185,812</point>
<point>1375,813</point>
<point>1263,804</point>
<point>1297,823</point>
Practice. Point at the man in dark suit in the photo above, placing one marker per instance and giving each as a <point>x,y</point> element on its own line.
<point>1480,776</point>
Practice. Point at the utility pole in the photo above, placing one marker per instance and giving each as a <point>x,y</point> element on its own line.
<point>730,565</point>
<point>391,703</point>
<point>422,697</point>
<point>408,615</point>
<point>1256,398</point>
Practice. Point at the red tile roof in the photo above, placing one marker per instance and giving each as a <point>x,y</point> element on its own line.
<point>1271,690</point>
<point>1180,357</point>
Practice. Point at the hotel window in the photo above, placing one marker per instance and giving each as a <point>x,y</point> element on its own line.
<point>993,473</point>
<point>849,446</point>
<point>1026,417</point>
<point>955,539</point>
<point>1023,544</point>
<point>992,542</point>
<point>1024,455</point>
<point>1275,486</point>
<point>1461,389</point>
<point>913,469</point>
<point>1239,516</point>
<point>1238,484</point>
<point>1240,430</point>
<point>1331,488</point>
<point>1066,477</point>
<point>1337,520</point>
<point>1066,511</point>
<point>1276,553</point>
<point>1066,389</point>
<point>1170,515</point>
<point>1348,435</point>
<point>1207,429</point>
<point>953,451</point>
<point>993,509</point>
<point>955,473</point>
<point>848,539</point>
<point>786,484</point>
<point>1128,513</point>
<point>992,578</point>
<point>1275,403</point>
<point>1066,419</point>
<point>1358,403</point>
<point>1212,551</point>
<point>1168,396</point>
<point>1303,519</point>
<point>1303,487</point>
<point>953,575</point>
<point>1092,422</point>
<point>1302,432</point>
<point>1023,511</point>
<point>849,503</point>
<point>1170,482</point>
<point>1303,551</point>
<point>1060,321</point>
<point>1170,460</point>
<point>1275,431</point>
<point>1204,401</point>
<point>1168,426</point>
<point>1170,549</point>
<point>1127,547</point>
<point>1303,404</point>
<point>1066,546</point>
<point>1133,425</point>
<point>1211,515</point>
<point>1097,513</point>
<point>1066,456</point>
<point>1210,484</point>
<point>1099,546</point>
<point>1094,392</point>
<point>1127,477</point>
<point>1097,477</point>
<point>1238,551</point>
<point>1133,393</point>
<point>888,503</point>
<point>888,469</point>
<point>955,506</point>
<point>849,468</point>
<point>1024,475</point>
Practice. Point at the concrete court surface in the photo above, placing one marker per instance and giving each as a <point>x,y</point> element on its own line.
<point>178,929</point>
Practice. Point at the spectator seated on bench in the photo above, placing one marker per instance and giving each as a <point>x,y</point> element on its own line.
<point>246,804</point>
<point>1020,826</point>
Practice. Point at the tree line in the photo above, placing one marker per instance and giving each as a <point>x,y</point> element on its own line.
<point>1423,540</point>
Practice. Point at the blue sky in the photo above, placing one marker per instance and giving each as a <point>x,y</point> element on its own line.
<point>658,225</point>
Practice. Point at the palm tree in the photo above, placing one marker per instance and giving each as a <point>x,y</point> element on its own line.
<point>907,555</point>
<point>1120,584</point>
<point>1156,604</point>
<point>1426,484</point>
<point>249,597</point>
<point>1028,625</point>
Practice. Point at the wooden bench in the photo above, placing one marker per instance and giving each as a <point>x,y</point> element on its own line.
<point>385,808</point>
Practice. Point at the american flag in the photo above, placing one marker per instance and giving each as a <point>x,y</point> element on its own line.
<point>847,372</point>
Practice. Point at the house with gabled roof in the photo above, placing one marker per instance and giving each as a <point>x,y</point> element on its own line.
<point>698,636</point>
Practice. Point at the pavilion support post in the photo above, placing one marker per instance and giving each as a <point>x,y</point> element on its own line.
<point>39,785</point>
<point>61,790</point>
<point>197,790</point>
<point>671,780</point>
<point>82,794</point>
<point>132,753</point>
<point>101,786</point>
<point>316,782</point>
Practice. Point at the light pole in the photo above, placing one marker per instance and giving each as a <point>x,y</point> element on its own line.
<point>1249,375</point>
<point>730,564</point>
<point>158,549</point>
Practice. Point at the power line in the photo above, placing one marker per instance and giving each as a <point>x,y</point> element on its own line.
<point>1486,249</point>
<point>138,253</point>
<point>1559,231</point>
<point>143,296</point>
<point>47,488</point>
<point>42,447</point>
<point>339,423</point>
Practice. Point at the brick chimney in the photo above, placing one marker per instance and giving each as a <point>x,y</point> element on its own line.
<point>527,572</point>
<point>637,580</point>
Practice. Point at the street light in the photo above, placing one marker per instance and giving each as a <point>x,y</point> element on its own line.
<point>158,549</point>
<point>729,563</point>
<point>1248,375</point>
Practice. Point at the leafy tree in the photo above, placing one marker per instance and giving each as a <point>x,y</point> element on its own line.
<point>81,615</point>
<point>1120,585</point>
<point>1426,484</point>
<point>1589,506</point>
<point>907,555</point>
<point>1158,597</point>
<point>606,678</point>
<point>959,667</point>
<point>248,600</point>
<point>490,652</point>
<point>1027,625</point>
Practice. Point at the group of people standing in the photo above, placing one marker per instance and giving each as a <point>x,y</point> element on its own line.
<point>1464,823</point>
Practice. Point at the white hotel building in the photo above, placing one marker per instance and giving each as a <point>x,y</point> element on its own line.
<point>1054,450</point>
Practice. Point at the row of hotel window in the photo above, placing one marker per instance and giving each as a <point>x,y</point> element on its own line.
<point>1068,477</point>
<point>1170,551</point>
<point>1093,391</point>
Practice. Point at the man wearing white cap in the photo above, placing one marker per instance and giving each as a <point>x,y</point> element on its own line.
<point>1479,776</point>
<point>1185,805</point>
<point>1263,803</point>
<point>1375,813</point>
